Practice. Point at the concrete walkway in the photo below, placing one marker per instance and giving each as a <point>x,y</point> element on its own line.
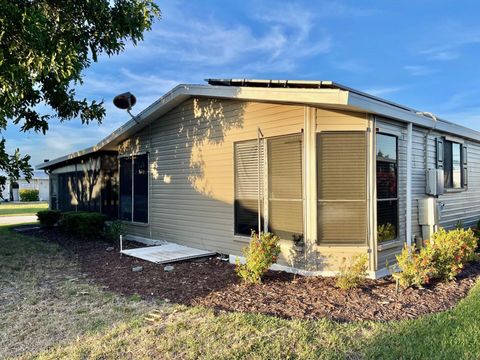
<point>16,219</point>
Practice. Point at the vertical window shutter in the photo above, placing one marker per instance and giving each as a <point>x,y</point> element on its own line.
<point>465,164</point>
<point>341,188</point>
<point>285,215</point>
<point>440,152</point>
<point>246,156</point>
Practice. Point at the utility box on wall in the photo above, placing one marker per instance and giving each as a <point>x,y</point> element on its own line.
<point>429,215</point>
<point>435,182</point>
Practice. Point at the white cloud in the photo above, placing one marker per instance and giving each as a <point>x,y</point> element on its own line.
<point>452,38</point>
<point>418,70</point>
<point>382,91</point>
<point>352,65</point>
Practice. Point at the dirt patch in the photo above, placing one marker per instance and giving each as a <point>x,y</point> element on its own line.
<point>213,283</point>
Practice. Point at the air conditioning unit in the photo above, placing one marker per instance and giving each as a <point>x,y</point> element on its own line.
<point>435,182</point>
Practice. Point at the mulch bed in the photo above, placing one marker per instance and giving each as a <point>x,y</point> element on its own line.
<point>213,283</point>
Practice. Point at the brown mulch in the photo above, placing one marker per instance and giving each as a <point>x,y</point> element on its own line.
<point>213,283</point>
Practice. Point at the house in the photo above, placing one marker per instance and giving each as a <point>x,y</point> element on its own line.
<point>333,171</point>
<point>39,181</point>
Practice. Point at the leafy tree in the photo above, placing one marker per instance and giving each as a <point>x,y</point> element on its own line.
<point>45,45</point>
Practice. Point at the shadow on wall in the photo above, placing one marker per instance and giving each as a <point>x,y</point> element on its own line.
<point>192,175</point>
<point>93,181</point>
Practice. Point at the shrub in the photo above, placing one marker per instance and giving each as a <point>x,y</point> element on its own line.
<point>114,229</point>
<point>83,224</point>
<point>48,218</point>
<point>260,254</point>
<point>416,267</point>
<point>352,273</point>
<point>451,250</point>
<point>28,195</point>
<point>442,257</point>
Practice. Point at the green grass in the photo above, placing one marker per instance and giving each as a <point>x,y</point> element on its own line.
<point>7,209</point>
<point>102,325</point>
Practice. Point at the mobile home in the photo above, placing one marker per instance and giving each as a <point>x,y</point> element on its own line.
<point>333,171</point>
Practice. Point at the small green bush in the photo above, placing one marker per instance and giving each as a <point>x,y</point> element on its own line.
<point>442,257</point>
<point>352,273</point>
<point>48,218</point>
<point>83,224</point>
<point>451,251</point>
<point>260,254</point>
<point>29,195</point>
<point>114,229</point>
<point>416,267</point>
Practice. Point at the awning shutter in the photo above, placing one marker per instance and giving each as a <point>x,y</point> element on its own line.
<point>247,190</point>
<point>341,188</point>
<point>285,213</point>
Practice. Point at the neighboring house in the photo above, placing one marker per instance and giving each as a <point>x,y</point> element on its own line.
<point>39,181</point>
<point>337,170</point>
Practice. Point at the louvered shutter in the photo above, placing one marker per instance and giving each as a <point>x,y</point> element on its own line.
<point>285,215</point>
<point>341,187</point>
<point>246,156</point>
<point>465,164</point>
<point>440,152</point>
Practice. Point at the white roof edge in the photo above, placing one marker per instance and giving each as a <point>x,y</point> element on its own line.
<point>348,98</point>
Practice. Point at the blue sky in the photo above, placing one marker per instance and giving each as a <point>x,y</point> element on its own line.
<point>423,54</point>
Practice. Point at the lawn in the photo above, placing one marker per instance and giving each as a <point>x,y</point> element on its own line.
<point>50,310</point>
<point>10,209</point>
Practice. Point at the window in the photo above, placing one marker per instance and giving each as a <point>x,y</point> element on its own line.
<point>248,185</point>
<point>452,165</point>
<point>342,188</point>
<point>285,195</point>
<point>387,183</point>
<point>281,208</point>
<point>134,188</point>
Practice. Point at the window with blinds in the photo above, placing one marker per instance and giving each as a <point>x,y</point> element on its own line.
<point>283,214</point>
<point>285,196</point>
<point>341,188</point>
<point>247,157</point>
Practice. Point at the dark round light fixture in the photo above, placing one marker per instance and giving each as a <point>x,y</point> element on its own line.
<point>125,101</point>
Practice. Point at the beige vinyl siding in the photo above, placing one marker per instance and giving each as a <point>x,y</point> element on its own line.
<point>191,152</point>
<point>192,169</point>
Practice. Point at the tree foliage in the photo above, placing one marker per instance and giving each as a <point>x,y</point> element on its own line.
<point>45,45</point>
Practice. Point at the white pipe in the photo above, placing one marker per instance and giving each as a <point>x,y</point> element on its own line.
<point>121,243</point>
<point>409,185</point>
<point>259,203</point>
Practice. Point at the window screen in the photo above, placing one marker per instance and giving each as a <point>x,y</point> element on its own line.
<point>140,189</point>
<point>134,188</point>
<point>387,183</point>
<point>341,188</point>
<point>126,188</point>
<point>247,191</point>
<point>285,214</point>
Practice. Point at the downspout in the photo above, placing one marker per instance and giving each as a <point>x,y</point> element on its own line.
<point>409,185</point>
<point>259,202</point>
<point>434,118</point>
